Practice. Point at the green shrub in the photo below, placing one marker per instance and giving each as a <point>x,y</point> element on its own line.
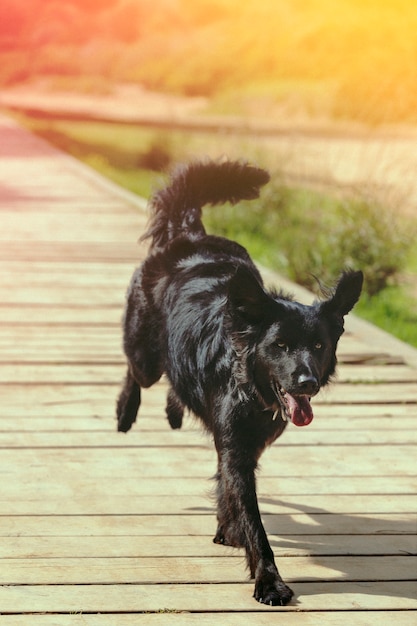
<point>306,234</point>
<point>369,236</point>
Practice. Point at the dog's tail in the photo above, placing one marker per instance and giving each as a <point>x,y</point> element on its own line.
<point>176,209</point>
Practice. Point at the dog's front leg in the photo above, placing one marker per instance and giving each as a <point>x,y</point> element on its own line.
<point>240,523</point>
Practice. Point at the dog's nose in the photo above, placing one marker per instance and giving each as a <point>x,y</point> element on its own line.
<point>308,384</point>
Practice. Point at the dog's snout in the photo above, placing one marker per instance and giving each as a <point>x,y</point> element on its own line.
<point>308,384</point>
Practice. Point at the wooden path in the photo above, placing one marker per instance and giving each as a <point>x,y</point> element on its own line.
<point>103,529</point>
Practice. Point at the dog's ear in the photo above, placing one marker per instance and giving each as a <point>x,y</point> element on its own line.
<point>247,296</point>
<point>345,295</point>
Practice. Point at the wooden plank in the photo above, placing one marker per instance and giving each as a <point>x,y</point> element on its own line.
<point>152,422</point>
<point>362,421</point>
<point>190,486</point>
<point>77,398</point>
<point>267,486</point>
<point>62,373</point>
<point>71,496</point>
<point>278,460</point>
<point>369,393</point>
<point>25,335</point>
<point>42,270</point>
<point>167,617</point>
<point>57,224</point>
<point>26,295</point>
<point>27,292</point>
<point>281,462</point>
<point>194,524</point>
<point>43,547</point>
<point>375,374</point>
<point>369,356</point>
<point>334,596</point>
<point>71,251</point>
<point>180,570</point>
<point>360,412</point>
<point>50,316</point>
<point>61,462</point>
<point>163,437</point>
<point>115,283</point>
<point>63,348</point>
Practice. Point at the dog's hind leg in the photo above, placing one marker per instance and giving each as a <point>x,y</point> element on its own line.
<point>128,403</point>
<point>174,409</point>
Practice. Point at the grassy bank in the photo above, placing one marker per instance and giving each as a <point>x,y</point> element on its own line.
<point>298,232</point>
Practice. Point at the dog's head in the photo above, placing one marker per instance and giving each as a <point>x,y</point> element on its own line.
<point>289,348</point>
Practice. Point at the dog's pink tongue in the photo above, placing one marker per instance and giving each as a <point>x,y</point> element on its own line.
<point>299,409</point>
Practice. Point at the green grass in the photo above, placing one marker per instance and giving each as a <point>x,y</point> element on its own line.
<point>393,310</point>
<point>298,232</point>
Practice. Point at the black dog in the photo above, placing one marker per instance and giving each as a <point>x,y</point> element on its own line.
<point>242,359</point>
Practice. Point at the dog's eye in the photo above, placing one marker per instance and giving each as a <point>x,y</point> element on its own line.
<point>281,345</point>
<point>318,346</point>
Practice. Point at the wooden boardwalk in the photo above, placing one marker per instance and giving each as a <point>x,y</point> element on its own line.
<point>103,529</point>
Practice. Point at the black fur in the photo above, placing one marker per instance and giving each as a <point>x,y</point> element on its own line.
<point>242,359</point>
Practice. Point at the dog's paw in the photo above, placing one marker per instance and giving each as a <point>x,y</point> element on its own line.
<point>273,593</point>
